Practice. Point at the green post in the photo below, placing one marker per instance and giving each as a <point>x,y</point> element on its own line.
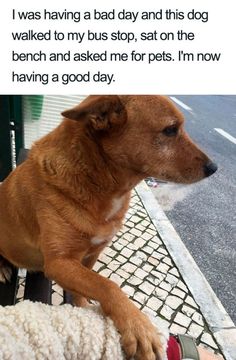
<point>5,137</point>
<point>17,119</point>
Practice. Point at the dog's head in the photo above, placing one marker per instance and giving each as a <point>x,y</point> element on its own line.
<point>144,134</point>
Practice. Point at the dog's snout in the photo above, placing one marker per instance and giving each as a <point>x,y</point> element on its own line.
<point>210,168</point>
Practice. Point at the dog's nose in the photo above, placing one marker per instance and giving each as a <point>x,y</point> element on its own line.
<point>210,168</point>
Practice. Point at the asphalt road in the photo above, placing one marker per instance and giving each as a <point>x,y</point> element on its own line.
<point>204,214</point>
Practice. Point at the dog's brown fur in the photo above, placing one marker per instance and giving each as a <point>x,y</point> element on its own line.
<point>62,206</point>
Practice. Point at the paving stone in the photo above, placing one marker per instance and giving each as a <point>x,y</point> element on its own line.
<point>139,242</point>
<point>198,318</point>
<point>129,237</point>
<point>117,279</point>
<point>166,286</point>
<point>140,227</point>
<point>151,313</point>
<point>110,252</point>
<point>130,268</point>
<point>162,268</point>
<point>163,251</point>
<point>167,312</point>
<point>153,261</point>
<point>117,246</point>
<point>140,297</point>
<point>145,223</point>
<point>97,266</point>
<point>182,286</point>
<point>22,273</point>
<point>154,303</point>
<point>157,275</point>
<point>20,292</point>
<point>178,292</point>
<point>58,289</point>
<point>136,260</point>
<point>135,212</point>
<point>157,241</point>
<point>147,288</point>
<point>123,241</point>
<point>118,235</point>
<point>140,273</point>
<point>124,229</point>
<point>168,261</point>
<point>195,330</point>
<point>136,232</point>
<point>104,258</point>
<point>123,273</point>
<point>189,300</point>
<point>153,244</point>
<point>56,299</point>
<point>134,280</point>
<point>187,310</point>
<point>129,223</point>
<point>142,255</point>
<point>132,246</point>
<point>147,249</point>
<point>174,272</point>
<point>153,280</point>
<point>151,230</point>
<point>121,259</point>
<point>105,272</point>
<point>147,268</point>
<point>139,258</point>
<point>136,219</point>
<point>177,329</point>
<point>208,340</point>
<point>128,290</point>
<point>171,279</point>
<point>21,280</point>
<point>146,236</point>
<point>157,255</point>
<point>126,252</point>
<point>141,213</point>
<point>182,320</point>
<point>173,301</point>
<point>161,294</point>
<point>113,265</point>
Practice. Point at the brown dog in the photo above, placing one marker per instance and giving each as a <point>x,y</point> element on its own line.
<point>63,205</point>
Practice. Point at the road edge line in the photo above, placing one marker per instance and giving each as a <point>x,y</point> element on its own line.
<point>220,323</point>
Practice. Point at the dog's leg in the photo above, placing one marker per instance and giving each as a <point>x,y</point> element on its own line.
<point>63,254</point>
<point>5,270</point>
<point>88,262</point>
<point>139,337</point>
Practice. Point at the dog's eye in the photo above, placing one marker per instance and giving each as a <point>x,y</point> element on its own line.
<point>170,130</point>
<point>118,110</point>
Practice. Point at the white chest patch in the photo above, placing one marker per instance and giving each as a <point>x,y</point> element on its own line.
<point>117,204</point>
<point>98,240</point>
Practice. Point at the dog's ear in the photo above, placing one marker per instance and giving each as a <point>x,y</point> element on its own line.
<point>100,112</point>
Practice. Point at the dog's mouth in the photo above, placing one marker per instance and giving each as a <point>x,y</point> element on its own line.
<point>188,176</point>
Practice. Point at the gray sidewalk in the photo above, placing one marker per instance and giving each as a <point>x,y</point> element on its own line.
<point>151,264</point>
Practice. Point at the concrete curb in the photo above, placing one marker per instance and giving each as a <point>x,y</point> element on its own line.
<point>221,325</point>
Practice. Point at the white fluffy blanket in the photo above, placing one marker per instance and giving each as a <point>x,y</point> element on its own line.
<point>35,331</point>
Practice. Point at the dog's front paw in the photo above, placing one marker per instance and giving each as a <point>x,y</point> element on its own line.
<point>80,301</point>
<point>140,339</point>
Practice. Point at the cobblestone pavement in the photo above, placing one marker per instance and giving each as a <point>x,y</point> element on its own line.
<point>138,261</point>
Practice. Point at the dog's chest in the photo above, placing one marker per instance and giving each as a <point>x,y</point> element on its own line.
<point>112,221</point>
<point>116,206</point>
